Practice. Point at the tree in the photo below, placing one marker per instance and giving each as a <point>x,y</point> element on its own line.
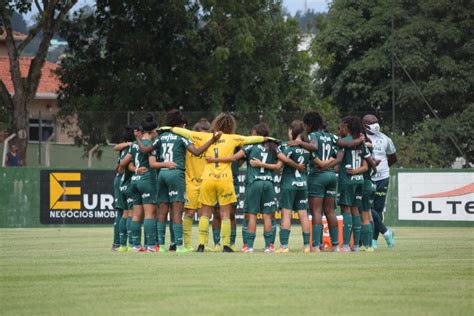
<point>432,39</point>
<point>212,56</point>
<point>52,13</point>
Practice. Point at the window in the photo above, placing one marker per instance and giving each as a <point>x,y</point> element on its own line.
<point>47,129</point>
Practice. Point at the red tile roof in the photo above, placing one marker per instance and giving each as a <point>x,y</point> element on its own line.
<point>49,82</point>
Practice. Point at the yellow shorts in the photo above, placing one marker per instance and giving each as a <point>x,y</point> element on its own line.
<point>213,192</point>
<point>191,197</point>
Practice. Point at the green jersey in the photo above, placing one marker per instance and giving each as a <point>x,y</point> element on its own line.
<point>263,154</point>
<point>291,178</point>
<point>170,147</point>
<point>235,168</point>
<point>353,159</point>
<point>127,174</point>
<point>327,148</point>
<point>141,160</point>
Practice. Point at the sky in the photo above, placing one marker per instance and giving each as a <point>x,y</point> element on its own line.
<point>291,5</point>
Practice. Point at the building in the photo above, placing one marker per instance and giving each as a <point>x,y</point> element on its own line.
<point>44,106</point>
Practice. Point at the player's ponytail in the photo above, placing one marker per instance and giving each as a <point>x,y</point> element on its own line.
<point>262,129</point>
<point>297,129</point>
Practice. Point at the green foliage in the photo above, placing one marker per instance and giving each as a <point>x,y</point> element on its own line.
<point>239,56</point>
<point>433,39</point>
<point>429,145</point>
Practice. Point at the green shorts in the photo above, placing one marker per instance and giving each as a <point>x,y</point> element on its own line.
<point>143,190</point>
<point>350,194</point>
<point>294,200</point>
<point>126,190</point>
<point>321,185</point>
<point>119,202</point>
<point>171,186</point>
<point>260,197</point>
<point>368,194</point>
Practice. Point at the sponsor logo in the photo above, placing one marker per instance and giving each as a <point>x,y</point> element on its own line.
<point>271,203</point>
<point>172,193</point>
<point>145,195</point>
<point>436,196</point>
<point>76,197</point>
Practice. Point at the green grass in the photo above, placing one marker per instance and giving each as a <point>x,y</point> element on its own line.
<point>72,271</point>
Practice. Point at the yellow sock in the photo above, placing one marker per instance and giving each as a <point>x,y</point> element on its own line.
<point>187,227</point>
<point>203,230</point>
<point>225,232</point>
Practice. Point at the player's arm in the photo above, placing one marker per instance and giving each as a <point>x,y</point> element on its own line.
<point>144,149</point>
<point>286,160</point>
<point>271,166</point>
<point>334,162</point>
<point>126,160</point>
<point>158,165</point>
<point>362,169</point>
<point>350,143</point>
<point>311,146</point>
<point>140,170</point>
<point>323,164</point>
<point>119,147</point>
<point>197,151</point>
<point>237,156</point>
<point>248,140</point>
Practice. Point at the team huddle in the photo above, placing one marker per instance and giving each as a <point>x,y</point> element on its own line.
<point>172,172</point>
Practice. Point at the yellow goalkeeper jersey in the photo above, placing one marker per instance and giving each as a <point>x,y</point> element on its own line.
<point>224,147</point>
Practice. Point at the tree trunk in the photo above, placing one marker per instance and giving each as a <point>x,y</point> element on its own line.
<point>20,126</point>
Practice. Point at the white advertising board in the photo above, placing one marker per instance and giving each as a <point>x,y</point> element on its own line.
<point>436,196</point>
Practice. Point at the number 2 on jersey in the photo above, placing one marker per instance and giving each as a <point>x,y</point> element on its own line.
<point>299,161</point>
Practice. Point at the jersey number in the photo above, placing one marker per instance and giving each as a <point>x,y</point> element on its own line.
<point>167,152</point>
<point>264,160</point>
<point>356,161</point>
<point>300,161</point>
<point>326,151</point>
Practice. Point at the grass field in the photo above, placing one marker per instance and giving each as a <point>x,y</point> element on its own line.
<point>72,271</point>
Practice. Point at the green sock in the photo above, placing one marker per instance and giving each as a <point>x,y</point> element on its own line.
<point>356,226</point>
<point>268,236</point>
<point>216,235</point>
<point>129,230</point>
<point>250,239</point>
<point>161,227</point>
<point>334,233</point>
<point>317,231</point>
<point>306,237</point>
<point>118,218</point>
<point>149,226</point>
<point>284,237</point>
<point>365,235</point>
<point>346,229</point>
<point>274,231</point>
<point>136,228</point>
<point>178,234</point>
<point>233,235</point>
<point>372,229</point>
<point>172,236</point>
<point>123,231</point>
<point>244,231</point>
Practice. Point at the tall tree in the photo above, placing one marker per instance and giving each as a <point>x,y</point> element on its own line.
<point>52,13</point>
<point>432,39</point>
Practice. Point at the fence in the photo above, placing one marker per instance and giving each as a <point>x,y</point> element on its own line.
<point>434,198</point>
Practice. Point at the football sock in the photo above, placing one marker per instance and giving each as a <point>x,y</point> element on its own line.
<point>178,234</point>
<point>334,233</point>
<point>136,228</point>
<point>274,231</point>
<point>216,235</point>
<point>123,231</point>
<point>187,230</point>
<point>244,231</point>
<point>129,229</point>
<point>250,239</point>
<point>233,235</point>
<point>306,237</point>
<point>172,237</point>
<point>268,236</point>
<point>284,237</point>
<point>203,228</point>
<point>225,230</point>
<point>371,231</point>
<point>365,235</point>
<point>346,229</point>
<point>356,226</point>
<point>149,226</point>
<point>317,231</point>
<point>161,227</point>
<point>118,217</point>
